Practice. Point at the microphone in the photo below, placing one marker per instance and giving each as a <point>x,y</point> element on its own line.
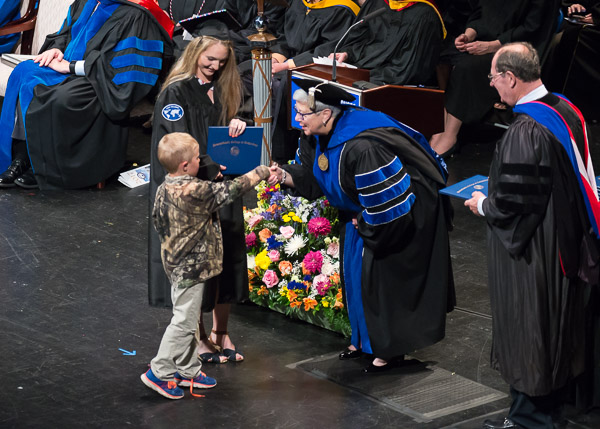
<point>365,18</point>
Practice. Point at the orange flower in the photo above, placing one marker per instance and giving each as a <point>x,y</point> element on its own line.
<point>338,304</point>
<point>294,304</point>
<point>338,296</point>
<point>334,278</point>
<point>262,291</point>
<point>291,295</point>
<point>285,267</point>
<point>309,303</point>
<point>304,270</point>
<point>273,208</point>
<point>251,275</point>
<point>250,288</point>
<point>264,234</point>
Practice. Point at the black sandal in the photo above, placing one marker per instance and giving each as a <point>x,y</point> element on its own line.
<point>230,354</point>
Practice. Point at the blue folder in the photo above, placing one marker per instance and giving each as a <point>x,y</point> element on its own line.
<point>465,188</point>
<point>240,154</point>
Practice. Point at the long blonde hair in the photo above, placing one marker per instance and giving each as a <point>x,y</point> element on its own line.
<point>227,79</point>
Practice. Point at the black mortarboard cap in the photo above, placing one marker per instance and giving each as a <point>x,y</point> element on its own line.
<point>324,92</point>
<point>215,24</point>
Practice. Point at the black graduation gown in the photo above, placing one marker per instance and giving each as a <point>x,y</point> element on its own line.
<point>182,9</point>
<point>573,65</point>
<point>407,283</point>
<point>469,96</point>
<point>198,114</point>
<point>245,11</point>
<point>303,31</point>
<point>537,312</point>
<point>76,134</point>
<point>399,47</point>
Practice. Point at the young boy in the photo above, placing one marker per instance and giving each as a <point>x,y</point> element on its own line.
<point>186,218</point>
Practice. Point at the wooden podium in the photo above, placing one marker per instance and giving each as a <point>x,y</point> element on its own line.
<point>419,108</point>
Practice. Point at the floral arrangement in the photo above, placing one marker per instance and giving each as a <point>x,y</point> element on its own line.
<point>294,258</point>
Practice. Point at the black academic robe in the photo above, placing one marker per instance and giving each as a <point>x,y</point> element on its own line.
<point>182,9</point>
<point>398,47</point>
<point>469,96</point>
<point>76,134</point>
<point>407,283</point>
<point>245,12</point>
<point>305,29</point>
<point>199,113</point>
<point>538,321</point>
<point>573,64</point>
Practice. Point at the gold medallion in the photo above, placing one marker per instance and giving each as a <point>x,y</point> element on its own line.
<point>323,162</point>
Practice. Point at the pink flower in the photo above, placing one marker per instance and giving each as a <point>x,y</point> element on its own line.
<point>270,278</point>
<point>254,220</point>
<point>321,283</point>
<point>312,262</point>
<point>250,239</point>
<point>287,232</point>
<point>333,249</point>
<point>273,255</point>
<point>319,226</point>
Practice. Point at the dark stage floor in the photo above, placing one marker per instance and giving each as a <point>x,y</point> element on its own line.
<point>73,294</point>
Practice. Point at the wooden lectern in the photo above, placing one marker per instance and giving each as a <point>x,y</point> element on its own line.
<point>419,108</point>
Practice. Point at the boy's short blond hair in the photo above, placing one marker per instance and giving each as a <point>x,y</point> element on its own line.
<point>175,148</point>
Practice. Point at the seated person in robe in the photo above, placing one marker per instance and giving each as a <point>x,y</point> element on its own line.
<point>469,96</point>
<point>309,24</point>
<point>62,119</point>
<point>9,11</point>
<point>401,46</point>
<point>572,67</point>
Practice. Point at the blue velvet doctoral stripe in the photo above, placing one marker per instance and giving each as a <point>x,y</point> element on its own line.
<point>87,25</point>
<point>385,195</point>
<point>136,60</point>
<point>353,253</point>
<point>364,180</point>
<point>135,76</point>
<point>393,213</point>
<point>140,45</point>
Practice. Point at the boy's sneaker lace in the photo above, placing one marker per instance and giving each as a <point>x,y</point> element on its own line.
<point>168,389</point>
<point>203,381</point>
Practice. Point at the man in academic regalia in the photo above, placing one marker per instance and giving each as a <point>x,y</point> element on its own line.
<point>542,214</point>
<point>9,11</point>
<point>62,118</point>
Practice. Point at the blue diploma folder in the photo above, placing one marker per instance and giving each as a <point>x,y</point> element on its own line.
<point>465,188</point>
<point>240,154</point>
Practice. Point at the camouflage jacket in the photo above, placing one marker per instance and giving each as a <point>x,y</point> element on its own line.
<point>186,217</point>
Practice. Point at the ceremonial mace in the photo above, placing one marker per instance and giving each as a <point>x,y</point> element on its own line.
<point>261,81</point>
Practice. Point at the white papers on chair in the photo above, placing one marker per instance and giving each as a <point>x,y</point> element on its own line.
<point>136,177</point>
<point>329,62</point>
<point>12,60</point>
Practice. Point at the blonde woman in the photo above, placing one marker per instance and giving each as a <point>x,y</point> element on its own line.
<point>203,89</point>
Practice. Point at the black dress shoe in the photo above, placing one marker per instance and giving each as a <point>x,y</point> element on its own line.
<point>499,424</point>
<point>27,180</point>
<point>350,354</point>
<point>16,170</point>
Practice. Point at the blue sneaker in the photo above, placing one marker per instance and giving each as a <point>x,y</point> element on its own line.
<point>168,389</point>
<point>203,381</point>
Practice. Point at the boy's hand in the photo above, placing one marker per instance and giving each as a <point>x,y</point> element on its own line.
<point>262,171</point>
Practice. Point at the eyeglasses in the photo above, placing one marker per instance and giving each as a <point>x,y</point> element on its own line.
<point>492,77</point>
<point>304,115</point>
